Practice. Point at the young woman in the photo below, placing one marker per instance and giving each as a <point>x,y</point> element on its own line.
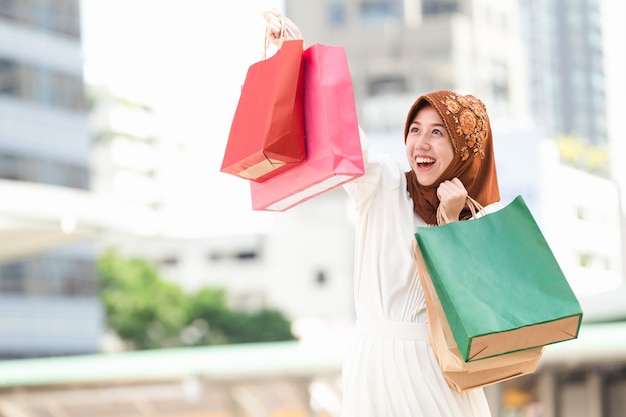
<point>391,370</point>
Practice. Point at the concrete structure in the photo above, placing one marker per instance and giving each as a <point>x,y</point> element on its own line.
<point>44,160</point>
<point>289,379</point>
<point>49,219</point>
<point>568,90</point>
<point>399,49</point>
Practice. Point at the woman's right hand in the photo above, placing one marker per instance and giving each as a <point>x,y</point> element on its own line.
<point>273,17</point>
<point>452,196</point>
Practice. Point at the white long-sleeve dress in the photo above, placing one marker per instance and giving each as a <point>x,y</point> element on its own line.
<point>390,369</point>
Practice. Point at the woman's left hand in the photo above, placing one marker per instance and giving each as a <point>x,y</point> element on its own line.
<point>453,196</point>
<point>273,17</point>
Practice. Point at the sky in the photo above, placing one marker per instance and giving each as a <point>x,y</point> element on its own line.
<point>188,60</point>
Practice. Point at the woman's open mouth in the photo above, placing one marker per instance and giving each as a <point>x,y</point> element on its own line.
<point>422,162</point>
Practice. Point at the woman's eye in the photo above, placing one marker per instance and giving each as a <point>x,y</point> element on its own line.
<point>437,132</point>
<point>414,130</point>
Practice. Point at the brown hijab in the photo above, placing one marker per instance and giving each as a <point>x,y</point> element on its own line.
<point>467,123</point>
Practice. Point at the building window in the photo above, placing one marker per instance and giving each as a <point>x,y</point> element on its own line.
<point>376,12</point>
<point>433,7</point>
<point>170,260</point>
<point>389,84</point>
<point>587,260</point>
<point>500,83</point>
<point>23,168</point>
<point>321,278</point>
<point>8,76</point>
<point>61,16</point>
<point>247,255</point>
<point>336,14</point>
<point>41,85</point>
<point>50,276</point>
<point>244,255</point>
<point>12,278</point>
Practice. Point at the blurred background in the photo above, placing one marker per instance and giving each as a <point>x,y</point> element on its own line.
<point>136,280</point>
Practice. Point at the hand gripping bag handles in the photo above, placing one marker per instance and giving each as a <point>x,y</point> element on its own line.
<point>503,294</point>
<point>267,132</point>
<point>499,284</point>
<point>333,147</point>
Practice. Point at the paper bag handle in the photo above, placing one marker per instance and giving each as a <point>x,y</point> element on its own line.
<point>474,206</point>
<point>268,41</point>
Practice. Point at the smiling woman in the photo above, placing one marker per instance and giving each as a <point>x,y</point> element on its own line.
<point>470,168</point>
<point>390,369</point>
<point>428,146</point>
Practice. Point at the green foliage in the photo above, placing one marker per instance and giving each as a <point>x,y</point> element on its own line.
<point>140,307</point>
<point>148,313</point>
<point>578,153</point>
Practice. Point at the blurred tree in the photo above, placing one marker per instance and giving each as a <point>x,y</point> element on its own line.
<point>147,313</point>
<point>141,309</point>
<point>578,153</point>
<point>598,160</point>
<point>222,324</point>
<point>571,149</point>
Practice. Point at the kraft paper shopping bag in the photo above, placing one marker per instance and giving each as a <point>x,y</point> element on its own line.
<point>460,375</point>
<point>500,286</point>
<point>333,146</point>
<point>267,131</point>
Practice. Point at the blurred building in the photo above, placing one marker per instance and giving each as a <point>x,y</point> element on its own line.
<point>49,219</point>
<point>48,296</point>
<point>567,88</point>
<point>398,49</point>
<point>125,155</point>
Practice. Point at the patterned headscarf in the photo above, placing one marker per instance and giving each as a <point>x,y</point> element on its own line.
<point>467,123</point>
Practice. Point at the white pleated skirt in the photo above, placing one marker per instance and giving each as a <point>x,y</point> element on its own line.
<point>391,371</point>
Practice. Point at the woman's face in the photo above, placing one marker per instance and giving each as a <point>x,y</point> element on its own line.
<point>428,146</point>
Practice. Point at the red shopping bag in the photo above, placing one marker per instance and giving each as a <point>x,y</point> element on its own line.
<point>333,146</point>
<point>267,132</point>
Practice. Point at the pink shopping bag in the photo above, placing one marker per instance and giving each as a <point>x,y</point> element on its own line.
<point>333,147</point>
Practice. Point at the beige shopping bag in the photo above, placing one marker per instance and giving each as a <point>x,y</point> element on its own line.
<point>460,375</point>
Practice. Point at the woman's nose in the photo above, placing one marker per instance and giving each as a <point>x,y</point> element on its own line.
<point>421,143</point>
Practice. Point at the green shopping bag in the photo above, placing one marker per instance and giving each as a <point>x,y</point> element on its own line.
<point>499,284</point>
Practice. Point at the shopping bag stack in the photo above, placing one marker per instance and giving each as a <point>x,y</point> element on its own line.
<point>333,145</point>
<point>332,152</point>
<point>495,294</point>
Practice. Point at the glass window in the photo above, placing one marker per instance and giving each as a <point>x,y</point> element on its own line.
<point>336,14</point>
<point>616,392</point>
<point>9,79</point>
<point>12,278</point>
<point>500,81</point>
<point>432,7</point>
<point>7,7</point>
<point>390,84</point>
<point>50,276</point>
<point>22,168</point>
<point>61,16</point>
<point>41,85</point>
<point>374,12</point>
